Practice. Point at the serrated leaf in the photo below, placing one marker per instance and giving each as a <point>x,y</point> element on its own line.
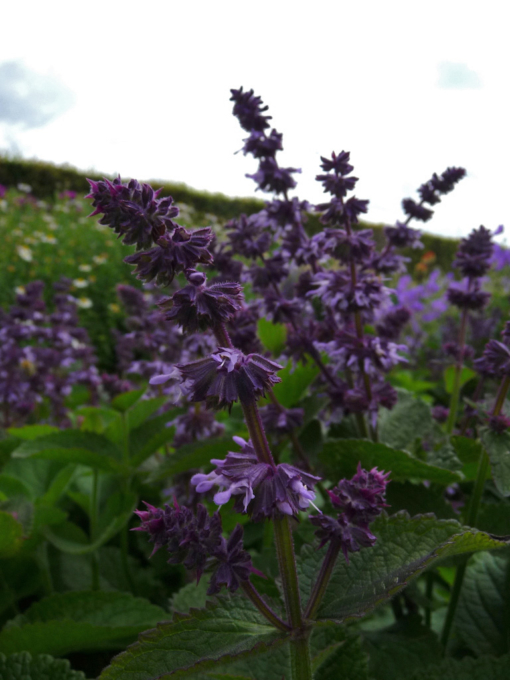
<point>337,653</point>
<point>295,381</point>
<point>24,666</point>
<point>468,452</point>
<point>123,402</point>
<point>96,418</point>
<point>220,633</point>
<point>272,335</point>
<point>35,473</point>
<point>192,595</point>
<point>71,622</point>
<point>485,668</point>
<point>497,445</point>
<point>410,419</point>
<point>11,535</point>
<point>340,459</point>
<point>482,617</point>
<point>144,409</point>
<point>12,487</point>
<point>405,547</point>
<point>73,446</point>
<point>149,437</point>
<point>405,645</point>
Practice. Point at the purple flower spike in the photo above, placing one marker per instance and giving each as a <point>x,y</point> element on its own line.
<point>361,499</point>
<point>234,564</point>
<point>228,376</point>
<point>132,210</point>
<point>248,110</point>
<point>259,488</point>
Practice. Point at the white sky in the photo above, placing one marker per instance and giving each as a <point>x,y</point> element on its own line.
<point>408,88</point>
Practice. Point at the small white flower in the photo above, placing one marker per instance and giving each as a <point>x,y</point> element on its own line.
<point>84,303</point>
<point>24,187</point>
<point>25,253</point>
<point>99,259</point>
<point>20,290</point>
<point>80,283</point>
<point>48,238</point>
<point>85,268</point>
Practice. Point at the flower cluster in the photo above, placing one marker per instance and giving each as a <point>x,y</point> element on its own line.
<point>260,489</point>
<point>431,192</point>
<point>196,541</point>
<point>360,499</point>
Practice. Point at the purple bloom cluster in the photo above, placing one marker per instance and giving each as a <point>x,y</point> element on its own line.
<point>431,192</point>
<point>196,541</point>
<point>360,499</point>
<point>43,354</point>
<point>260,489</point>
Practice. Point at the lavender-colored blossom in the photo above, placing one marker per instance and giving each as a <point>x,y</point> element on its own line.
<point>391,324</point>
<point>249,111</point>
<point>195,425</point>
<point>260,489</point>
<point>276,418</point>
<point>133,210</point>
<point>496,356</point>
<point>357,245</point>
<point>440,413</point>
<point>402,236</point>
<point>474,254</point>
<point>198,306</point>
<point>247,237</point>
<point>270,177</point>
<point>470,298</point>
<point>229,375</point>
<point>499,423</point>
<point>416,210</point>
<point>260,145</point>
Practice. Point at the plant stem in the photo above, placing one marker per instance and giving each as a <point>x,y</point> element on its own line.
<point>454,401</point>
<point>429,592</point>
<point>288,573</point>
<point>257,434</point>
<point>93,527</point>
<point>472,514</point>
<point>300,661</point>
<point>322,581</point>
<point>264,608</point>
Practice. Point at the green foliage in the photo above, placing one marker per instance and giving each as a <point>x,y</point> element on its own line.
<point>408,421</point>
<point>405,547</point>
<point>24,666</point>
<point>272,335</point>
<point>11,534</point>
<point>497,446</point>
<point>72,622</point>
<point>485,668</point>
<point>295,381</point>
<point>189,644</point>
<point>466,375</point>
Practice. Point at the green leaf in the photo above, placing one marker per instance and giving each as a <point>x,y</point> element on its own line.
<point>341,457</point>
<point>468,452</point>
<point>29,432</point>
<point>192,595</point>
<point>340,657</point>
<point>220,633</point>
<point>149,437</point>
<point>72,622</point>
<point>419,499</point>
<point>497,445</point>
<point>190,456</point>
<point>96,419</point>
<point>123,402</point>
<point>73,446</point>
<point>144,409</point>
<point>405,547</point>
<point>36,474</point>
<point>295,381</point>
<point>483,612</point>
<point>405,645</point>
<point>11,534</point>
<point>13,487</point>
<point>466,375</point>
<point>59,485</point>
<point>485,668</point>
<point>410,419</point>
<point>24,666</point>
<point>494,518</point>
<point>272,335</point>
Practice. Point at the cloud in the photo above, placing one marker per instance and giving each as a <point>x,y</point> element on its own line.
<point>457,76</point>
<point>29,99</point>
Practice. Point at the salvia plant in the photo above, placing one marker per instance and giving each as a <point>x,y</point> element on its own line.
<point>311,476</point>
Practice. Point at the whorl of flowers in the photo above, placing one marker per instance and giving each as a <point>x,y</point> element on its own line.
<point>260,489</point>
<point>195,541</point>
<point>198,306</point>
<point>228,375</point>
<point>360,499</point>
<point>431,192</point>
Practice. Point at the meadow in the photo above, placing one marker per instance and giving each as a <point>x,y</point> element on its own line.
<point>272,446</point>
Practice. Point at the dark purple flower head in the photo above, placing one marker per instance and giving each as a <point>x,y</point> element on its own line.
<point>496,356</point>
<point>132,299</point>
<point>440,413</point>
<point>357,246</point>
<point>195,425</point>
<point>270,177</point>
<point>249,111</point>
<point>173,254</point>
<point>337,185</point>
<point>475,253</point>
<point>260,145</point>
<point>499,423</point>
<point>402,236</point>
<point>338,163</point>
<point>133,210</point>
<point>361,499</point>
<point>281,310</point>
<point>234,564</point>
<point>229,375</point>
<point>338,211</point>
<point>416,210</point>
<point>447,180</point>
<point>273,271</point>
<point>247,238</point>
<point>471,298</point>
<point>260,489</point>
<point>428,193</point>
<point>391,324</point>
<point>198,306</point>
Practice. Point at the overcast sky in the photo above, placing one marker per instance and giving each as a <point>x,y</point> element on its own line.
<point>143,89</point>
